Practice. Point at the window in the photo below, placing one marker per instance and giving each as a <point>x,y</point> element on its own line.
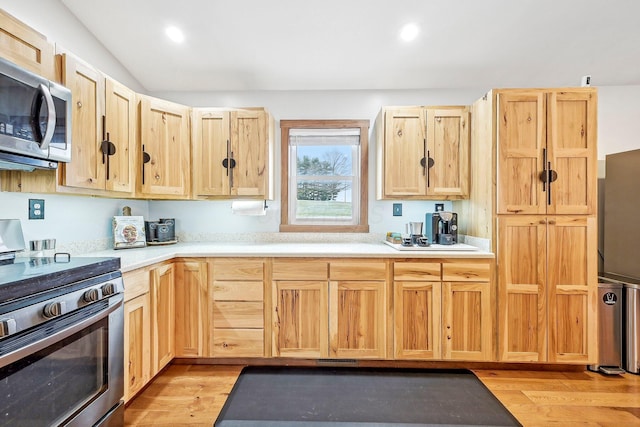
<point>324,175</point>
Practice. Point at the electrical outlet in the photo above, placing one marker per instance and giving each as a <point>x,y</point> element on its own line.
<point>397,209</point>
<point>439,207</point>
<point>36,209</point>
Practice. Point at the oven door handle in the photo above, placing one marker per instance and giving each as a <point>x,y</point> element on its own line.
<point>115,302</point>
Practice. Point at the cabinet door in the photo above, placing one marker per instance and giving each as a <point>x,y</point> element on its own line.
<point>448,148</point>
<point>357,321</point>
<point>86,169</point>
<point>417,323</point>
<point>404,149</point>
<point>164,132</point>
<point>24,46</point>
<point>300,319</point>
<point>137,348</point>
<point>211,143</point>
<point>521,143</point>
<point>573,289</point>
<point>249,150</point>
<point>522,330</point>
<point>467,325</point>
<point>120,130</point>
<point>162,316</point>
<point>571,141</point>
<point>191,309</point>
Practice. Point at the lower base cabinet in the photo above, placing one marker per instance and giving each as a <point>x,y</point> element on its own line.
<point>443,311</point>
<point>191,308</point>
<point>162,292</point>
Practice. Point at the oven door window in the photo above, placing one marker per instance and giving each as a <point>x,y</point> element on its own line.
<point>52,385</point>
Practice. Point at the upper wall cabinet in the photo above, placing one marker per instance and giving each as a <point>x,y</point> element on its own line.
<point>24,46</point>
<point>164,150</point>
<point>547,158</point>
<point>103,131</point>
<point>232,153</point>
<point>423,153</point>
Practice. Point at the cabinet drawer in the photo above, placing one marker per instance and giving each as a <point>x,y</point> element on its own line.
<point>358,270</point>
<point>238,269</point>
<point>422,271</point>
<point>292,269</point>
<point>238,315</point>
<point>136,283</point>
<point>238,343</point>
<point>238,291</point>
<point>466,272</point>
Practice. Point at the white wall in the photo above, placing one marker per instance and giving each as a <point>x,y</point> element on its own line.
<point>52,19</point>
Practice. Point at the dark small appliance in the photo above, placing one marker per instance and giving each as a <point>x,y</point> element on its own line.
<point>442,227</point>
<point>161,231</point>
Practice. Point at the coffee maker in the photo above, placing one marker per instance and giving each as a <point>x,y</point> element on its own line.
<point>442,227</point>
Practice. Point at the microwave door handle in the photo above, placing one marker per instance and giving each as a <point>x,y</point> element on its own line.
<point>51,119</point>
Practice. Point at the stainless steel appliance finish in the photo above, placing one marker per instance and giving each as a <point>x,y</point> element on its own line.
<point>609,328</point>
<point>621,236</point>
<point>11,238</point>
<point>35,120</point>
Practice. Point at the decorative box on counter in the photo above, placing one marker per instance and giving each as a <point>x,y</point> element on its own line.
<point>128,232</point>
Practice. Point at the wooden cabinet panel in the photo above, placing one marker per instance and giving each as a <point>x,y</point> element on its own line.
<point>448,146</point>
<point>136,283</point>
<point>191,309</point>
<point>164,138</point>
<point>26,47</point>
<point>238,314</point>
<point>466,272</point>
<point>572,136</point>
<point>300,319</point>
<point>120,130</point>
<point>357,320</point>
<point>417,322</point>
<point>137,348</point>
<point>467,321</point>
<point>249,136</point>
<point>162,316</point>
<point>238,269</point>
<point>211,142</point>
<point>404,146</point>
<point>237,343</point>
<point>358,270</point>
<point>522,282</point>
<point>417,270</point>
<point>238,291</point>
<point>294,269</point>
<point>572,289</point>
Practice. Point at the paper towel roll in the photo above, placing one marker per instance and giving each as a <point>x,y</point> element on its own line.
<point>248,207</point>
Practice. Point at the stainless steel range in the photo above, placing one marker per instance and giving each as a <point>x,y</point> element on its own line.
<point>61,340</point>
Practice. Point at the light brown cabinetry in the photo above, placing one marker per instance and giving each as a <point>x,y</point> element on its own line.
<point>103,131</point>
<point>232,153</point>
<point>164,150</point>
<point>548,288</point>
<point>443,310</point>
<point>137,332</point>
<point>236,301</point>
<point>191,308</point>
<point>162,316</point>
<point>423,153</point>
<point>547,158</point>
<point>26,47</point>
<point>329,309</point>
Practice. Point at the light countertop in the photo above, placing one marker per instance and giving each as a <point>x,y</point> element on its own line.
<point>134,258</point>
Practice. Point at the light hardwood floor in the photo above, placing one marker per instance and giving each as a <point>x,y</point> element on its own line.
<point>193,395</point>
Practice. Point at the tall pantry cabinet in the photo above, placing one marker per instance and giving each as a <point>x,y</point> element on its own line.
<point>534,164</point>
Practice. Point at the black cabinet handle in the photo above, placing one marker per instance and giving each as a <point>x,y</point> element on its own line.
<point>146,158</point>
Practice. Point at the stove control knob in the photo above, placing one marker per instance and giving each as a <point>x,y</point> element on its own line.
<point>7,327</point>
<point>108,289</point>
<point>92,295</point>
<point>54,309</point>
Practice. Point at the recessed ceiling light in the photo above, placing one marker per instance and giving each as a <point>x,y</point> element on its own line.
<point>409,32</point>
<point>175,34</point>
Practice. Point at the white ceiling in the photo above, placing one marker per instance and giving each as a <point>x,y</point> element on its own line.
<point>354,44</point>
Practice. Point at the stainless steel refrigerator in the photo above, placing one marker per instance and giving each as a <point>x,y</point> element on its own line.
<point>621,244</point>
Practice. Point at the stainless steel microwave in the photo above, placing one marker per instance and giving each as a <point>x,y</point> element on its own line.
<point>35,120</point>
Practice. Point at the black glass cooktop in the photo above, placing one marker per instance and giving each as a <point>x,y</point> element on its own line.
<point>28,276</point>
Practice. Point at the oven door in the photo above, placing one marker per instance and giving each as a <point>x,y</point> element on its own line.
<point>68,371</point>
